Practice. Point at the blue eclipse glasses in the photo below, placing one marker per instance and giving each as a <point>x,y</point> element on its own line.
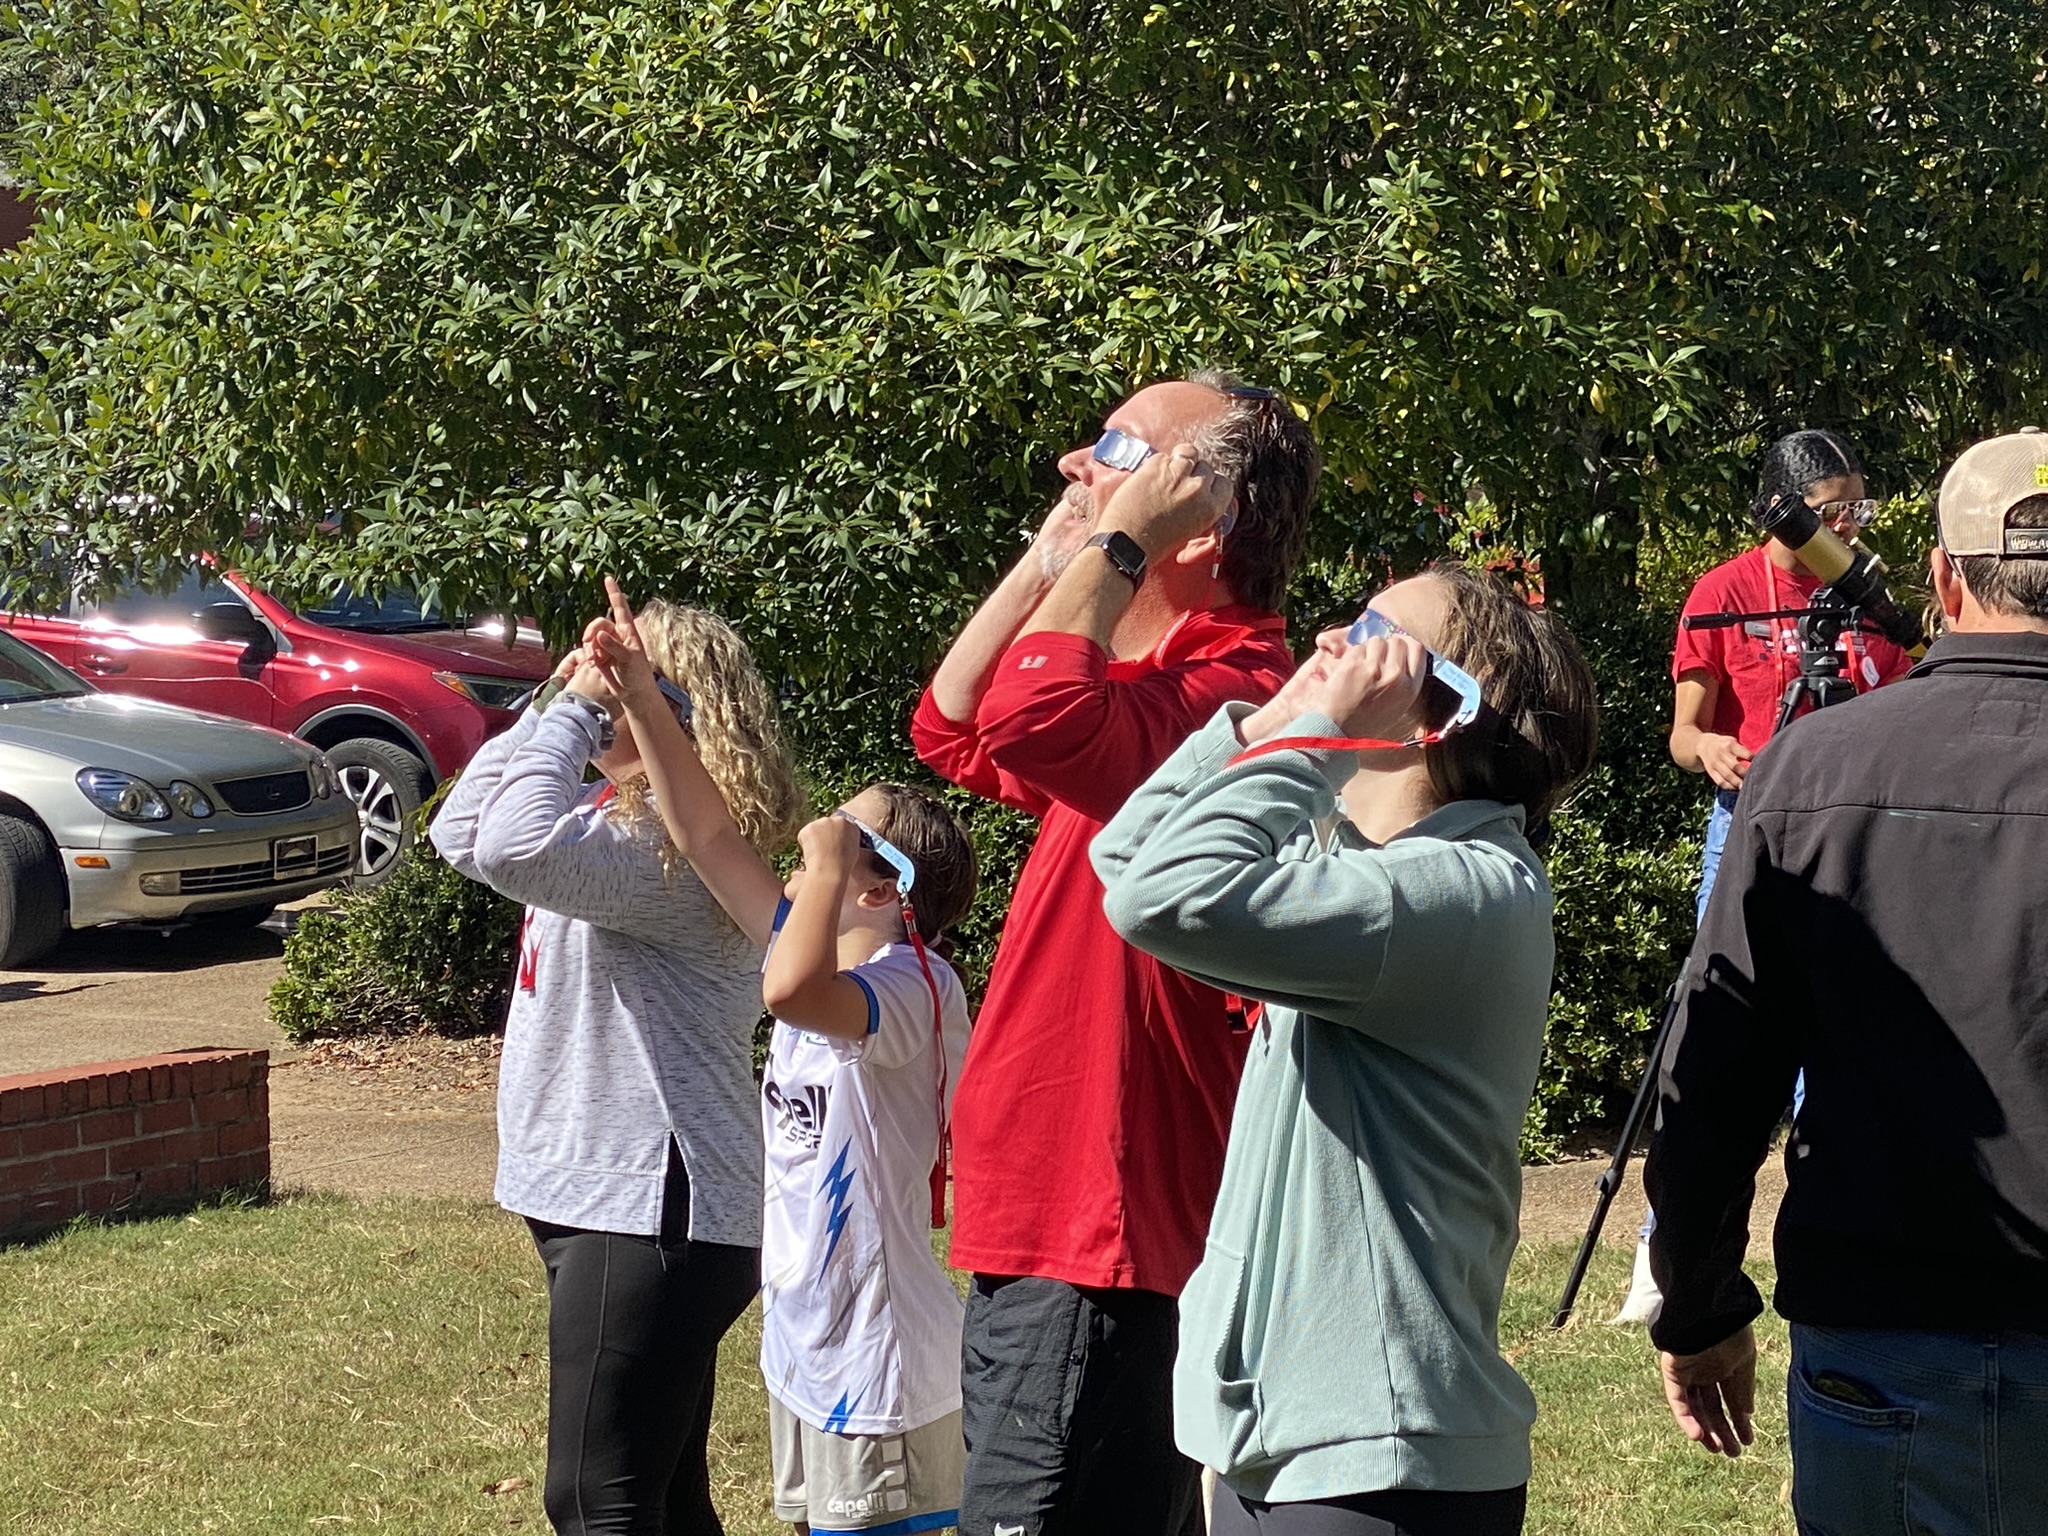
<point>1373,625</point>
<point>886,851</point>
<point>677,697</point>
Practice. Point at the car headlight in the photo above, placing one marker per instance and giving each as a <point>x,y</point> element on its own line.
<point>190,799</point>
<point>491,692</point>
<point>326,782</point>
<point>123,795</point>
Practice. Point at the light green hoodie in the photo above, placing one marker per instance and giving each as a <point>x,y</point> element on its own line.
<point>1340,1335</point>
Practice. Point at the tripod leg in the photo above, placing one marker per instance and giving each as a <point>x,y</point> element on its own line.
<point>1611,1181</point>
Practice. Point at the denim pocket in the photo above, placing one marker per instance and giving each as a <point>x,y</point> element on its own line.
<point>1848,1463</point>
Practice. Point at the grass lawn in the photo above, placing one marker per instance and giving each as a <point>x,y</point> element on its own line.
<point>325,1365</point>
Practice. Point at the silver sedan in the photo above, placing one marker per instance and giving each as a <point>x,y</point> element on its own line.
<point>117,809</point>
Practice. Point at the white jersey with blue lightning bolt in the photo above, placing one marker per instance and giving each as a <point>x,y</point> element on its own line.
<point>860,1327</point>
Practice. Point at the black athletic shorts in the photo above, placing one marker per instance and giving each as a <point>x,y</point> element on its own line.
<point>1068,1413</point>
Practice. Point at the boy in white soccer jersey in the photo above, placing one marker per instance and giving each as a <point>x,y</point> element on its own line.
<point>860,1327</point>
<point>860,1330</point>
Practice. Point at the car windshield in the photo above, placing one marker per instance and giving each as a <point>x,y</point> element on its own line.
<point>394,612</point>
<point>26,673</point>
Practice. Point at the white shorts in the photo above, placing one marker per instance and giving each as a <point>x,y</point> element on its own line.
<point>883,1485</point>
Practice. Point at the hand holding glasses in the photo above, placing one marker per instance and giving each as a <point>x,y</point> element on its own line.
<point>1319,685</point>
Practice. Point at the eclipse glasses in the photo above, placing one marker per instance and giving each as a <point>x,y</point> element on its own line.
<point>1373,625</point>
<point>886,851</point>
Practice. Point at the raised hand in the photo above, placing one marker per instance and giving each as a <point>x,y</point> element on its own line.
<point>1372,689</point>
<point>1272,717</point>
<point>1064,531</point>
<point>830,846</point>
<point>1167,500</point>
<point>615,646</point>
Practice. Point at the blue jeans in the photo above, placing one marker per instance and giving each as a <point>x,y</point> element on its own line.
<point>1918,1434</point>
<point>1718,821</point>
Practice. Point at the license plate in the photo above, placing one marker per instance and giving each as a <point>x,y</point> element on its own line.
<point>291,856</point>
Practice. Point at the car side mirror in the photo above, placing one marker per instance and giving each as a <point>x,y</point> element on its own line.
<point>233,624</point>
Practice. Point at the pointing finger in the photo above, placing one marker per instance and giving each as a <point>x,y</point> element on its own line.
<point>622,611</point>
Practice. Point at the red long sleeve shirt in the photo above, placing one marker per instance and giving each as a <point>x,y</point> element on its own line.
<point>1092,1112</point>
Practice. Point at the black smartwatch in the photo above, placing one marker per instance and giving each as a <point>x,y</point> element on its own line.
<point>1124,553</point>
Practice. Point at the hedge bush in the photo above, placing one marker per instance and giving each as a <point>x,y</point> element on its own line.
<point>425,950</point>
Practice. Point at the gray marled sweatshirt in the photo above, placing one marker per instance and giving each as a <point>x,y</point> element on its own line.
<point>633,1013</point>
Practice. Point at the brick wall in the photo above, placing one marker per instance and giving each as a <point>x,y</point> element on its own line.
<point>123,1137</point>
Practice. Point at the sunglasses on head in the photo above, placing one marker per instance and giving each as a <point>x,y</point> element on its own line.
<point>886,851</point>
<point>1373,625</point>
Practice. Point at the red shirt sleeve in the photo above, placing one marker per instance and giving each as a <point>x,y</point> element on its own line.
<point>953,750</point>
<point>1054,720</point>
<point>1702,650</point>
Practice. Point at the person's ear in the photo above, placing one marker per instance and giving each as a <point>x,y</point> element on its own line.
<point>1205,548</point>
<point>1947,578</point>
<point>877,894</point>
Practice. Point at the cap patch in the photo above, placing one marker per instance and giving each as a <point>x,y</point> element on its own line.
<point>2026,541</point>
<point>2041,474</point>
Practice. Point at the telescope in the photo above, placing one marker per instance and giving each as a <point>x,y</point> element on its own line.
<point>1854,577</point>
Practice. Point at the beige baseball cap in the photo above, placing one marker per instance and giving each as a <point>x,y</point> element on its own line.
<point>1984,485</point>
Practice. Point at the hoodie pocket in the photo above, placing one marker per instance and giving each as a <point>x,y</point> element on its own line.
<point>1217,1404</point>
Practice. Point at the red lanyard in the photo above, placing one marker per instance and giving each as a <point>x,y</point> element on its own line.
<point>1333,744</point>
<point>939,1166</point>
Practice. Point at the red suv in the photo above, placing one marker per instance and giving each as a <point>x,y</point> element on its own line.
<point>398,697</point>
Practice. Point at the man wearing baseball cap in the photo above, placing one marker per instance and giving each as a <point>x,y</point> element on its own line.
<point>1881,921</point>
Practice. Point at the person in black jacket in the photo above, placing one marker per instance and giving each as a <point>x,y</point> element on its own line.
<point>1881,921</point>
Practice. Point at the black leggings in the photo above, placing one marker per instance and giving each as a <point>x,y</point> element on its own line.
<point>633,1331</point>
<point>1395,1512</point>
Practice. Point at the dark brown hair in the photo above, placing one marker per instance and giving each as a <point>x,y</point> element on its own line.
<point>2016,586</point>
<point>919,822</point>
<point>1540,721</point>
<point>1271,458</point>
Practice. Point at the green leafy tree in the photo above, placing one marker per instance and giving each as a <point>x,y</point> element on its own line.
<point>787,307</point>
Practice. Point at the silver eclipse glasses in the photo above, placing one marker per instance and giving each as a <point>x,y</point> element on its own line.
<point>1373,625</point>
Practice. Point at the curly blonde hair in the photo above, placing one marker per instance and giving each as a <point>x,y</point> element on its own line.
<point>734,722</point>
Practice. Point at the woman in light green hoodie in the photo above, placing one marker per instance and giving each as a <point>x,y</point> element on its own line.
<point>1339,1362</point>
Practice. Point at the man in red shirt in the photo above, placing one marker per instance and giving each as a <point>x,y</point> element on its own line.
<point>1089,1126</point>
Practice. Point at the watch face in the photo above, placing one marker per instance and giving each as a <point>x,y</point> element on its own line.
<point>1123,552</point>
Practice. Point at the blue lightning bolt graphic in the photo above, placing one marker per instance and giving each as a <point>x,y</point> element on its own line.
<point>842,1411</point>
<point>837,1182</point>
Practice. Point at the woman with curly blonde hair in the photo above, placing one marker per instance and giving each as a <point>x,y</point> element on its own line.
<point>626,1129</point>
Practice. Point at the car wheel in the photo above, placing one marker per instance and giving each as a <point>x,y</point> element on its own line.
<point>387,784</point>
<point>31,893</point>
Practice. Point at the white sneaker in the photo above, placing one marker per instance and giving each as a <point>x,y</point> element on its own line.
<point>1644,1301</point>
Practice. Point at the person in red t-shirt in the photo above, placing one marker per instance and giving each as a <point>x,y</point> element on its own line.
<point>1731,682</point>
<point>1093,1108</point>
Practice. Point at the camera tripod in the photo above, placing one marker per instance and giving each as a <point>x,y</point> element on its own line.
<point>1819,682</point>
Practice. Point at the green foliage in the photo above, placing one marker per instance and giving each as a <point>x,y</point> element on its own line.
<point>785,307</point>
<point>1623,857</point>
<point>425,950</point>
